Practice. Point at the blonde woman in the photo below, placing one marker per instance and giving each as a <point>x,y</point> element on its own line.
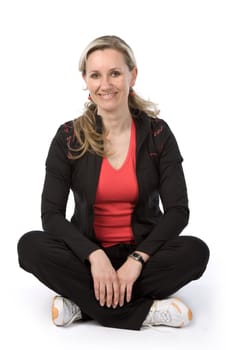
<point>120,258</point>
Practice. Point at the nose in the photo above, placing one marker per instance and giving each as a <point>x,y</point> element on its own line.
<point>105,82</point>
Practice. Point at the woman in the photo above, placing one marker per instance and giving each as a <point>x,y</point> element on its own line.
<point>120,258</point>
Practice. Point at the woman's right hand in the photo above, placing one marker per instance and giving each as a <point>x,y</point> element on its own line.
<point>105,280</point>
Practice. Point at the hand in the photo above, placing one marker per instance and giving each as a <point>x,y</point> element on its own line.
<point>127,274</point>
<point>105,280</point>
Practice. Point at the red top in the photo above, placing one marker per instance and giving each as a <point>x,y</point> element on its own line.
<point>116,196</point>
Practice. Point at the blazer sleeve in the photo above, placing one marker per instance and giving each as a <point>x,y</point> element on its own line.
<point>55,194</point>
<point>172,190</point>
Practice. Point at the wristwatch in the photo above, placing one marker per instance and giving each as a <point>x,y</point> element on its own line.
<point>137,257</point>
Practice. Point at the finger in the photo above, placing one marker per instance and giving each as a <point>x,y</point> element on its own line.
<point>109,294</point>
<point>116,294</point>
<point>122,295</point>
<point>97,290</point>
<point>102,294</point>
<point>128,292</point>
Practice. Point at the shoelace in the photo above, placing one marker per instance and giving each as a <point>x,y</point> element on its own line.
<point>77,312</point>
<point>69,305</point>
<point>72,309</point>
<point>160,317</point>
<point>156,317</point>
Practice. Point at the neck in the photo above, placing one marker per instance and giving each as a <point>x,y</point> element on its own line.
<point>117,123</point>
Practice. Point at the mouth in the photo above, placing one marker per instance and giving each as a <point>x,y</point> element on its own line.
<point>107,95</point>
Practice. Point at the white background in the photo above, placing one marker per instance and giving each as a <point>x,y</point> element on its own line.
<point>180,51</point>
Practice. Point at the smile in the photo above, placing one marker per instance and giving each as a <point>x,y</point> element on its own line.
<point>107,95</point>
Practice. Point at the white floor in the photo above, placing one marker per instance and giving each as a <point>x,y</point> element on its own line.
<point>26,319</point>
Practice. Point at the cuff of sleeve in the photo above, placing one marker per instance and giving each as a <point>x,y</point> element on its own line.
<point>151,247</point>
<point>83,252</point>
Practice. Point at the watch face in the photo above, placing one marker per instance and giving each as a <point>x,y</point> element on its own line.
<point>136,255</point>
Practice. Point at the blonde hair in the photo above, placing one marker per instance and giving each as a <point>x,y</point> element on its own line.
<point>85,127</point>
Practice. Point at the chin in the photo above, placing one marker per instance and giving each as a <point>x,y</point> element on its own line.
<point>108,108</point>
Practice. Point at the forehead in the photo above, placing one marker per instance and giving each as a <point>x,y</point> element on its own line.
<point>106,58</point>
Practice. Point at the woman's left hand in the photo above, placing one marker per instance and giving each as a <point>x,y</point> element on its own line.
<point>127,274</point>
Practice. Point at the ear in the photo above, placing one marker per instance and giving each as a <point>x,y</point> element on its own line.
<point>133,76</point>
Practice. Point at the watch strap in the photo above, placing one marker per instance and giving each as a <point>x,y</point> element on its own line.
<point>136,256</point>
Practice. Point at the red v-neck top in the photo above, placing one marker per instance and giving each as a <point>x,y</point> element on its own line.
<point>116,196</point>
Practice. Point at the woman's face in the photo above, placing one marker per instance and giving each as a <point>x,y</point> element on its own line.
<point>109,80</point>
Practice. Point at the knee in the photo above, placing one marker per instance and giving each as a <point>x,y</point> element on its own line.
<point>197,250</point>
<point>27,247</point>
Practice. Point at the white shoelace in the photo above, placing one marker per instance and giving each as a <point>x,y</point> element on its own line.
<point>73,311</point>
<point>157,317</point>
<point>160,317</point>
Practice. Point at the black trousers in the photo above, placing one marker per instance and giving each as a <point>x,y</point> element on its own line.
<point>178,262</point>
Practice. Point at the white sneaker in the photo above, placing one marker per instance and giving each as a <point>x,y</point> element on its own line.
<point>170,312</point>
<point>64,311</point>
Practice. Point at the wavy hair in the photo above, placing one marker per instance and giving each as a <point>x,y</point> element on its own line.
<point>85,128</point>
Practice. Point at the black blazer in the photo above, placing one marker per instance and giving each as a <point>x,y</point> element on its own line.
<point>159,175</point>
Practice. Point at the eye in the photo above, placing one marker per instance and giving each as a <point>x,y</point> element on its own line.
<point>115,73</point>
<point>94,75</point>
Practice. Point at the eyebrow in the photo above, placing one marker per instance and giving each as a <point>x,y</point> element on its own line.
<point>111,69</point>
